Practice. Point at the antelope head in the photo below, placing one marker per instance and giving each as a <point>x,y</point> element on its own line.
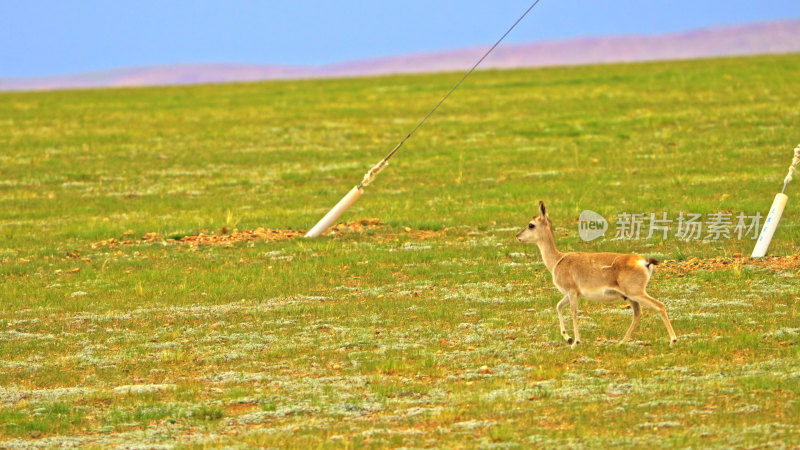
<point>538,228</point>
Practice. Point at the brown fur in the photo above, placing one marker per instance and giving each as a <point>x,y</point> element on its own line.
<point>597,276</point>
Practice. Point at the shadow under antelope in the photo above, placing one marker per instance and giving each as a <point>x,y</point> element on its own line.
<point>602,277</point>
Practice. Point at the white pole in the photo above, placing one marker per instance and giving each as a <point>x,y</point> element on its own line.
<point>775,212</point>
<point>336,212</point>
<point>348,200</point>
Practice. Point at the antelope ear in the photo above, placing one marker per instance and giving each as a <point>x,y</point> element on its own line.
<point>542,210</point>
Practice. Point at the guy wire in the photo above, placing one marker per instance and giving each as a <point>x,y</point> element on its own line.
<point>383,162</point>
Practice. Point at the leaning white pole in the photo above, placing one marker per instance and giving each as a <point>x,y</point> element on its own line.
<point>347,201</point>
<point>770,225</point>
<point>775,212</point>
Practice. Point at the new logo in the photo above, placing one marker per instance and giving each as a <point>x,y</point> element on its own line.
<point>591,225</point>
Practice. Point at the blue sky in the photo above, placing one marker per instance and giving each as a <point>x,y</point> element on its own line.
<point>53,37</point>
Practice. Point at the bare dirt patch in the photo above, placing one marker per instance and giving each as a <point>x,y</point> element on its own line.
<point>227,238</point>
<point>786,263</point>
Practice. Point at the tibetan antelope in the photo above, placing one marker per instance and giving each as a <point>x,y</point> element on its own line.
<point>602,277</point>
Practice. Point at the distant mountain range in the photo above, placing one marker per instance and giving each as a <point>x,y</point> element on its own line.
<point>745,39</point>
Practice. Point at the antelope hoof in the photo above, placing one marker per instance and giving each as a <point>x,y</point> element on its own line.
<point>569,340</point>
<point>672,342</point>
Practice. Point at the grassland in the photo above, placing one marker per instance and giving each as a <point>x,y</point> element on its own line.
<point>435,329</point>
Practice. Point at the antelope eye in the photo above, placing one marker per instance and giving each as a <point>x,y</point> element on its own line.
<point>531,226</point>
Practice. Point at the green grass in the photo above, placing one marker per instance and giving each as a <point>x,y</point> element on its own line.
<point>377,339</point>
